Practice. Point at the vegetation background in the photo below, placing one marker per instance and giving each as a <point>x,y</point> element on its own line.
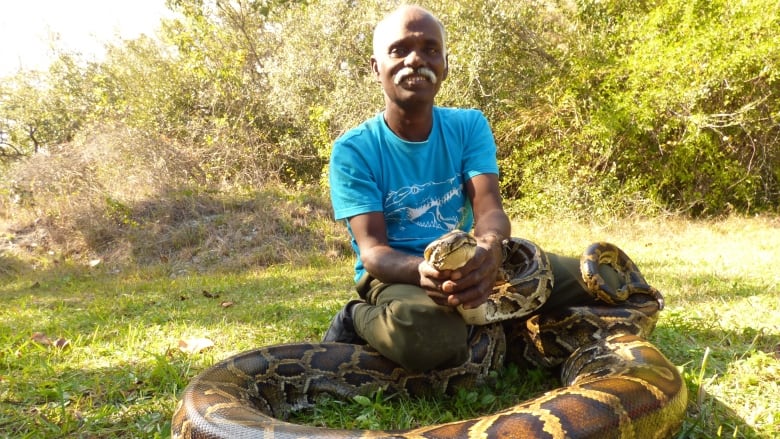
<point>203,152</point>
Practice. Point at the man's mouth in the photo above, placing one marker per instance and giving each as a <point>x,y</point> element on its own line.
<point>408,73</point>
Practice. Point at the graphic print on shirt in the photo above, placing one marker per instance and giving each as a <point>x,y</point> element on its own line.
<point>434,205</point>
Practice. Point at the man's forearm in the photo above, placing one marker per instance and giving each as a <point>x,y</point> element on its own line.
<point>494,223</point>
<point>392,266</point>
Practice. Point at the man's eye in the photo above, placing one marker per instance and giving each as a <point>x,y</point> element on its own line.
<point>398,52</point>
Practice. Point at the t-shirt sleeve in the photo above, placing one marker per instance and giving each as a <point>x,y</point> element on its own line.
<point>479,155</point>
<point>353,188</point>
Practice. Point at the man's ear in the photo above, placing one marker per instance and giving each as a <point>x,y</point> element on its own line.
<point>375,68</point>
<point>446,67</point>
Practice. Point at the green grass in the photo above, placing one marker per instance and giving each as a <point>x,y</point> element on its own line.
<point>502,389</point>
<point>122,371</point>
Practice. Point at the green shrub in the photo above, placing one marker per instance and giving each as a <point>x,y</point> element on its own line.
<point>597,106</point>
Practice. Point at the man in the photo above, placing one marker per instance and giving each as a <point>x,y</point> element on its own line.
<point>402,179</point>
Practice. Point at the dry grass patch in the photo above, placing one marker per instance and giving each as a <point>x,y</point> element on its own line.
<point>123,201</point>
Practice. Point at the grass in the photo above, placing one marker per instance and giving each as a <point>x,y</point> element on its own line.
<point>121,371</point>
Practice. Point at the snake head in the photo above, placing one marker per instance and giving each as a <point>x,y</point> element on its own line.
<point>451,251</point>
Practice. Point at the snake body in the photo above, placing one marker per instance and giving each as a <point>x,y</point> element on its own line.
<point>604,253</point>
<point>524,283</point>
<point>614,382</point>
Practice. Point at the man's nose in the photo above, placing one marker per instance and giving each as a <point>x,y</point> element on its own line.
<point>413,59</point>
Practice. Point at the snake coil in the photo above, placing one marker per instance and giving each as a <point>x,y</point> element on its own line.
<point>614,382</point>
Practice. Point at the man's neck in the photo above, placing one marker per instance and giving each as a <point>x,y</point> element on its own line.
<point>413,125</point>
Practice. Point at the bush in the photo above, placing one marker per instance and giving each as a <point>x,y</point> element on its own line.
<point>123,198</point>
<point>598,107</point>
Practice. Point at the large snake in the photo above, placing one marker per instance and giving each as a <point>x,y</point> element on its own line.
<point>614,382</point>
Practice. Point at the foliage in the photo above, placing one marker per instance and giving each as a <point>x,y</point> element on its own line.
<point>700,98</point>
<point>320,77</point>
<point>598,107</point>
<point>38,110</point>
<point>102,198</point>
<point>675,100</point>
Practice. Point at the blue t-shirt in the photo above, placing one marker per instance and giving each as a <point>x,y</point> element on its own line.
<point>419,186</point>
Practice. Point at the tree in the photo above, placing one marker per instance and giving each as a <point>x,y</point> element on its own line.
<point>40,109</point>
<point>598,106</point>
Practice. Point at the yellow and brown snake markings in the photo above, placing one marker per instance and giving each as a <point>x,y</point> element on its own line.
<point>600,253</point>
<point>615,384</point>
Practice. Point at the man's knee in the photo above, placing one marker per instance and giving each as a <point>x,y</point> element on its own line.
<point>436,337</point>
<point>421,336</point>
<point>569,287</point>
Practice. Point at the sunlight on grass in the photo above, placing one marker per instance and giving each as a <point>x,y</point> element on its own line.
<point>721,284</point>
<point>121,371</point>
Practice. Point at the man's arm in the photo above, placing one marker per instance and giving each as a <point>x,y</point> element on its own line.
<point>472,284</point>
<point>489,215</point>
<point>389,265</point>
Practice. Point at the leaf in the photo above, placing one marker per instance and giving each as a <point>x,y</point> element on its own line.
<point>41,338</point>
<point>362,400</point>
<point>227,304</point>
<point>61,343</point>
<point>44,340</point>
<point>195,345</point>
<point>210,295</point>
<point>487,399</point>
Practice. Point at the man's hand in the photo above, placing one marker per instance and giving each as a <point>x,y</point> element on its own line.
<point>432,281</point>
<point>469,285</point>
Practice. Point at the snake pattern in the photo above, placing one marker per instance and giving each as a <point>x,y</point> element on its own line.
<point>524,281</point>
<point>604,253</point>
<point>614,382</point>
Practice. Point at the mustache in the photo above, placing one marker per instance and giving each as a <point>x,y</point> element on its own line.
<point>408,71</point>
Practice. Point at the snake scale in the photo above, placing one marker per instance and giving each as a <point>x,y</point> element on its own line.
<point>614,382</point>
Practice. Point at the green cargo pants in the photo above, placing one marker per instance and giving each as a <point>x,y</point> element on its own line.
<point>408,327</point>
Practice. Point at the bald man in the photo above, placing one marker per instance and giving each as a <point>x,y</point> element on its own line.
<point>402,179</point>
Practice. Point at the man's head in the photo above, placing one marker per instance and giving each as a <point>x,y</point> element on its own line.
<point>410,55</point>
<point>390,21</point>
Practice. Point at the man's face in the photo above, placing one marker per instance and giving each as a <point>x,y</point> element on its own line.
<point>409,58</point>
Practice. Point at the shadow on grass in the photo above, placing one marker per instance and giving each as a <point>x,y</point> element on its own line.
<point>708,417</point>
<point>189,230</point>
<point>10,266</point>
